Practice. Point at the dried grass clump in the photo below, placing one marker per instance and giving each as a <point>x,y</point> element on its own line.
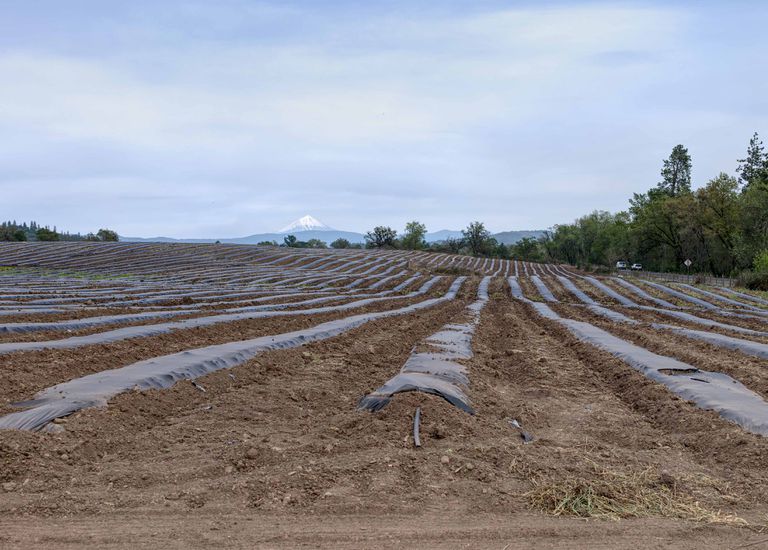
<point>618,495</point>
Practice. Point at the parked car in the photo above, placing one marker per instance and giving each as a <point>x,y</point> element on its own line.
<point>636,267</point>
<point>622,265</point>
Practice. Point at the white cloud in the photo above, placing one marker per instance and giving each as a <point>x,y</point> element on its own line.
<point>489,63</point>
<point>499,110</point>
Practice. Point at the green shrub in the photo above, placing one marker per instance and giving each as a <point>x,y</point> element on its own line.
<point>341,243</point>
<point>316,243</point>
<point>761,262</point>
<point>46,234</point>
<point>753,280</point>
<point>107,235</point>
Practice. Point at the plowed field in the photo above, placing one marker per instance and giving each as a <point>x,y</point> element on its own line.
<point>116,438</point>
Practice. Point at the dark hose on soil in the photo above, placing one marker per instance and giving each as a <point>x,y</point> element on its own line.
<point>416,422</point>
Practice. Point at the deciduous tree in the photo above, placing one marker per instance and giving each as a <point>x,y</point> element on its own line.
<point>340,243</point>
<point>413,238</point>
<point>381,237</point>
<point>477,238</point>
<point>107,235</point>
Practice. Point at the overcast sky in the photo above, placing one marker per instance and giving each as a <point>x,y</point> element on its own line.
<point>226,118</point>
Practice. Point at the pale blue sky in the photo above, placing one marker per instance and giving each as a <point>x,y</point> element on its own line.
<point>221,119</point>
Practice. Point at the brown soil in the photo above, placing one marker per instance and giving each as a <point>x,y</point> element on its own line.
<point>279,457</point>
<point>659,294</point>
<point>750,371</point>
<point>26,373</point>
<point>43,335</point>
<point>558,290</point>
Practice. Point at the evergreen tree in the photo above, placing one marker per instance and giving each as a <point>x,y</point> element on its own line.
<point>676,172</point>
<point>754,168</point>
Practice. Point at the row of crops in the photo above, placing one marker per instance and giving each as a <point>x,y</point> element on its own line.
<point>83,296</point>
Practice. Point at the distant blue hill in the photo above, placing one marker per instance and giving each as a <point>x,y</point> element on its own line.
<point>511,237</point>
<point>506,237</point>
<point>326,236</point>
<point>442,235</point>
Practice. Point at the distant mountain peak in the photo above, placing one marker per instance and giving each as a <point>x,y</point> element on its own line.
<point>307,223</point>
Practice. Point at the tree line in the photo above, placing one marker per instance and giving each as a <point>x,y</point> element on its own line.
<point>32,231</point>
<point>722,227</point>
<point>476,240</point>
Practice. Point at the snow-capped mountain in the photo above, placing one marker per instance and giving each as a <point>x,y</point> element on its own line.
<point>307,223</point>
<point>309,227</point>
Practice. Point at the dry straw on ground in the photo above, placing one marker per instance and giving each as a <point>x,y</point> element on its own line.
<point>616,495</point>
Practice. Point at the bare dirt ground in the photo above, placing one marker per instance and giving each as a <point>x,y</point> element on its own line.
<point>430,529</point>
<point>28,372</point>
<point>279,457</point>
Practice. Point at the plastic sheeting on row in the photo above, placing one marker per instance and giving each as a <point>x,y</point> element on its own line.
<point>163,372</point>
<point>681,295</point>
<point>708,390</point>
<point>722,299</point>
<point>322,299</point>
<point>674,312</point>
<point>437,370</point>
<point>90,322</point>
<point>623,300</point>
<point>703,321</point>
<point>34,311</point>
<point>543,289</point>
<point>576,291</point>
<point>750,297</point>
<point>748,347</point>
<point>514,287</point>
<point>643,294</point>
<point>143,331</point>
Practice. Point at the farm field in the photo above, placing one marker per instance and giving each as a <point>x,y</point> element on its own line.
<point>195,395</point>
